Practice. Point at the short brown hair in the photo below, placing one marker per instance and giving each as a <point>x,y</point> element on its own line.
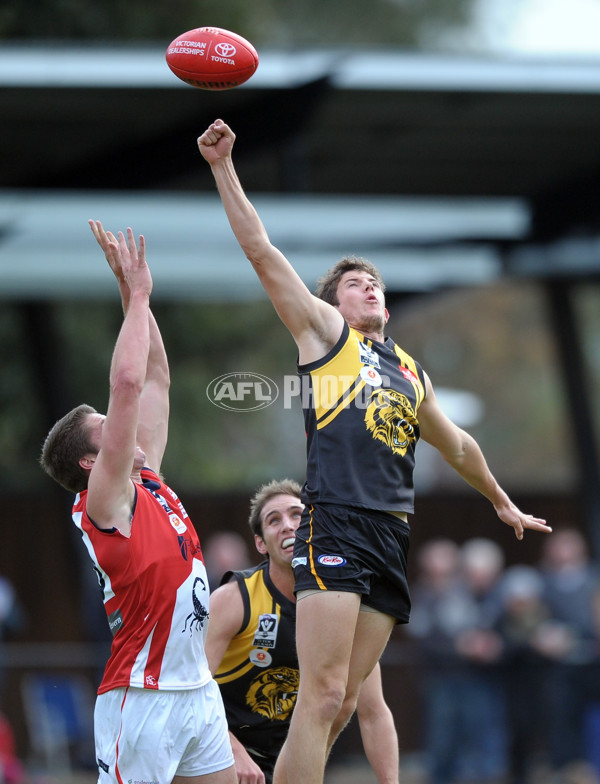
<point>264,494</point>
<point>65,444</point>
<point>327,285</point>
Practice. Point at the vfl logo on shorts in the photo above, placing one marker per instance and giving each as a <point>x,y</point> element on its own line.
<point>301,561</point>
<point>331,560</point>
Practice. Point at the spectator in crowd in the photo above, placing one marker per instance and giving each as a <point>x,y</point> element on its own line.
<point>485,745</point>
<point>12,621</point>
<point>455,607</point>
<point>12,617</point>
<point>12,770</point>
<point>524,614</point>
<point>225,551</point>
<point>570,642</point>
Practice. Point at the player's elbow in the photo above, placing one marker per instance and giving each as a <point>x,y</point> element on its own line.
<point>457,453</point>
<point>257,249</point>
<point>126,383</point>
<point>163,377</point>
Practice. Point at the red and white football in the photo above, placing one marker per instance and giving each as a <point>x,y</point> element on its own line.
<point>211,58</point>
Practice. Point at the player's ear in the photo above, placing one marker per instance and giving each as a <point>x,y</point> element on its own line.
<point>87,461</point>
<point>260,545</point>
<point>386,314</point>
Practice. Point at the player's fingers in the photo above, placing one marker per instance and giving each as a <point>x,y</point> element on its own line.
<point>131,246</point>
<point>112,253</point>
<point>538,525</point>
<point>519,531</point>
<point>94,227</point>
<point>100,234</point>
<point>122,242</point>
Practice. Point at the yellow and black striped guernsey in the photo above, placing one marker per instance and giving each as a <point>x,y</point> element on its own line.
<point>258,676</point>
<point>360,406</point>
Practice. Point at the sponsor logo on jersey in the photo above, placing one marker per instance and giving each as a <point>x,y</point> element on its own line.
<point>142,781</point>
<point>408,375</point>
<point>260,658</point>
<point>366,354</point>
<point>266,631</point>
<point>177,523</point>
<point>115,621</point>
<point>331,560</point>
<point>175,497</point>
<point>370,376</point>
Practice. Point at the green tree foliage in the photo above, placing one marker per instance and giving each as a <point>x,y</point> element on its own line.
<point>275,23</point>
<point>210,449</point>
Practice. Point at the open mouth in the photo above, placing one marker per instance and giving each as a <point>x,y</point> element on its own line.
<point>289,542</point>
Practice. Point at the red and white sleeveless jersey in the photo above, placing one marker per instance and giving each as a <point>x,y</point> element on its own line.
<point>155,590</point>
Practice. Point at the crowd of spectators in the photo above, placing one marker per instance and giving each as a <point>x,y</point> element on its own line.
<point>510,659</point>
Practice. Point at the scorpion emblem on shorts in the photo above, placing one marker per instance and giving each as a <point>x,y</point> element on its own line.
<point>199,614</point>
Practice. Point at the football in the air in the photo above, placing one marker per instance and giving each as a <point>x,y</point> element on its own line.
<point>211,58</point>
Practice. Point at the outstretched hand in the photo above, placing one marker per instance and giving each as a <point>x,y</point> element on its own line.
<point>132,262</point>
<point>512,516</point>
<point>216,142</point>
<point>120,255</point>
<point>108,243</point>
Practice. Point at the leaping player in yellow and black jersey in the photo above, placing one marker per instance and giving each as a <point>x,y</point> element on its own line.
<point>364,418</point>
<point>251,649</point>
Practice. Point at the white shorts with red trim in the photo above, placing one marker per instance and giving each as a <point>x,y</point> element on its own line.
<point>145,736</point>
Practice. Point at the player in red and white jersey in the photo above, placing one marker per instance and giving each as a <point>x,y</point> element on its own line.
<point>159,715</point>
<point>160,596</point>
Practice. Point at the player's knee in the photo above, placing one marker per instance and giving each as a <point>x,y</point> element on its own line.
<point>346,711</point>
<point>326,701</point>
<point>331,705</point>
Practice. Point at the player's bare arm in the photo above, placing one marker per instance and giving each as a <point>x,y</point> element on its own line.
<point>315,325</point>
<point>226,617</point>
<point>248,772</point>
<point>110,489</point>
<point>462,452</point>
<point>153,422</point>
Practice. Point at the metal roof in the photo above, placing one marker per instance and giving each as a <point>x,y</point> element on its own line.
<point>48,250</point>
<point>444,170</point>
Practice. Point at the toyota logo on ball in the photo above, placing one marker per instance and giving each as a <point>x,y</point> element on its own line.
<point>225,49</point>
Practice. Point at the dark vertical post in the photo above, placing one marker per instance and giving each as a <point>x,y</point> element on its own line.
<point>585,448</point>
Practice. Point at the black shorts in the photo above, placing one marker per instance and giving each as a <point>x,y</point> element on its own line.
<point>340,548</point>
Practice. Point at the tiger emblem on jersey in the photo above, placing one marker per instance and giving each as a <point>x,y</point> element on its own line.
<point>391,419</point>
<point>273,693</point>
